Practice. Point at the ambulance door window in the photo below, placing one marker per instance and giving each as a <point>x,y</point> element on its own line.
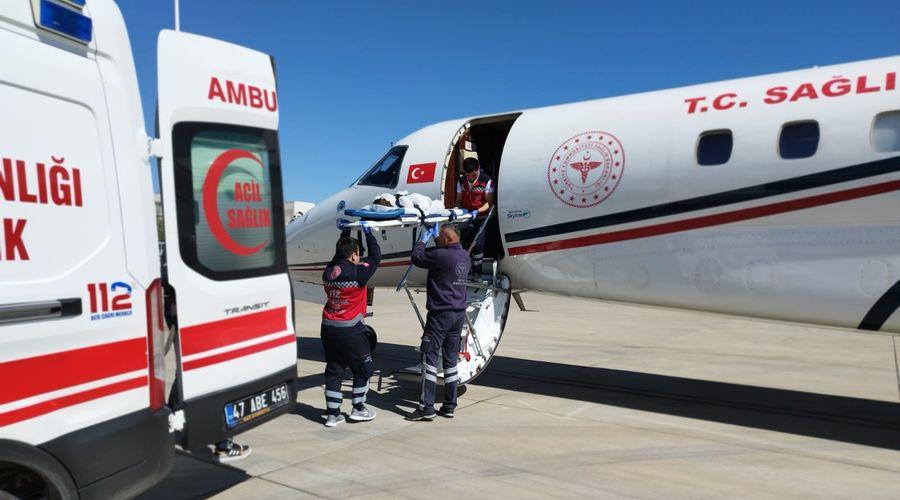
<point>228,183</point>
<point>386,171</point>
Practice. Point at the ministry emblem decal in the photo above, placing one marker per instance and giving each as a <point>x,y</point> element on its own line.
<point>586,169</point>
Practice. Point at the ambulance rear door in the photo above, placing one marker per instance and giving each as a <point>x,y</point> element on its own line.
<point>220,181</point>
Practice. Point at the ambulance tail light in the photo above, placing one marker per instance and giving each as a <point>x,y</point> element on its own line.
<point>156,345</point>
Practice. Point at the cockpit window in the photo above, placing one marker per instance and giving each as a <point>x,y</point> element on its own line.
<point>386,171</point>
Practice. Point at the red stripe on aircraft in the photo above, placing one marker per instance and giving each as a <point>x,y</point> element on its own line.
<point>239,353</point>
<point>23,378</point>
<point>393,264</point>
<point>710,220</point>
<point>383,264</point>
<point>52,405</point>
<point>224,332</point>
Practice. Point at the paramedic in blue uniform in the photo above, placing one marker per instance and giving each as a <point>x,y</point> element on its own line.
<point>343,330</point>
<point>475,193</point>
<point>448,268</point>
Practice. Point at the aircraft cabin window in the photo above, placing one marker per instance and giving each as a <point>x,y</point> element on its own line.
<point>386,171</point>
<point>886,132</point>
<point>799,140</point>
<point>714,147</point>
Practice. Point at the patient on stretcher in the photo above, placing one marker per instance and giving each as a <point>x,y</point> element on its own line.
<point>403,205</point>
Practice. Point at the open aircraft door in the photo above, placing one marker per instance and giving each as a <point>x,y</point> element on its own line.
<point>225,243</point>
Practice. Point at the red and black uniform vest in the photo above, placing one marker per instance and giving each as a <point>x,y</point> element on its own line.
<point>473,195</point>
<point>345,289</point>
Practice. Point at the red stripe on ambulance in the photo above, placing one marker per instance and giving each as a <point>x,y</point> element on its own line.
<point>239,353</point>
<point>221,333</point>
<point>24,378</point>
<point>52,405</point>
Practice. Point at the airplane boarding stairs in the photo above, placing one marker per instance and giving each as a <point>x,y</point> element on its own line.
<point>487,309</point>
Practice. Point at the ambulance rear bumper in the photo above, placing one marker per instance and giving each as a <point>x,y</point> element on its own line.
<point>206,418</point>
<point>117,458</point>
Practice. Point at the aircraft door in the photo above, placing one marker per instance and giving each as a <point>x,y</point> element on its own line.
<point>220,181</point>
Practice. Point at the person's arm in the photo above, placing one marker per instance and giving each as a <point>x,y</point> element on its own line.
<point>458,193</point>
<point>369,265</point>
<point>344,233</point>
<point>490,198</point>
<point>424,257</point>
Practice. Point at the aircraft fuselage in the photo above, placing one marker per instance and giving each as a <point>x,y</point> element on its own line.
<point>773,196</point>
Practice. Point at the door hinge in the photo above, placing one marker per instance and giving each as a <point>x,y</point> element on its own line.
<point>176,421</point>
<point>154,147</point>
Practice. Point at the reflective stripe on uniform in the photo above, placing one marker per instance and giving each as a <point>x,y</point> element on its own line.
<point>451,379</point>
<point>449,371</point>
<point>333,394</point>
<point>350,322</point>
<point>431,378</point>
<point>422,397</point>
<point>429,368</point>
<point>359,394</point>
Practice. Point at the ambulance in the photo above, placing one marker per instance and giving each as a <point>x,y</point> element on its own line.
<point>112,351</point>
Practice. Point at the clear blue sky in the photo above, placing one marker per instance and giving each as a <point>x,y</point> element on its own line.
<point>355,75</point>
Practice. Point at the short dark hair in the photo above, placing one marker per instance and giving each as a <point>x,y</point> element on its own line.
<point>345,247</point>
<point>470,164</point>
<point>453,228</point>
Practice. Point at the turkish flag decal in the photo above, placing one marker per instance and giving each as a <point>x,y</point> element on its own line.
<point>423,172</point>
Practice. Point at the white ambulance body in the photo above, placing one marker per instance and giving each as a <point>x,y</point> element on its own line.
<point>85,409</point>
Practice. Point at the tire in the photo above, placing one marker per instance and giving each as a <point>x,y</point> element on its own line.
<point>32,473</point>
<point>373,338</point>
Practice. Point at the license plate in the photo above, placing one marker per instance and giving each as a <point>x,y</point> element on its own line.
<point>252,407</point>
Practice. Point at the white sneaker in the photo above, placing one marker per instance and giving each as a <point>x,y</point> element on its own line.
<point>363,415</point>
<point>333,420</point>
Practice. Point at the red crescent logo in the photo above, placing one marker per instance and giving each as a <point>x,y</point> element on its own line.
<point>211,202</point>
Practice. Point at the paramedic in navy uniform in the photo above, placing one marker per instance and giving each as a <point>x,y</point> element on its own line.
<point>475,193</point>
<point>343,331</point>
<point>448,268</point>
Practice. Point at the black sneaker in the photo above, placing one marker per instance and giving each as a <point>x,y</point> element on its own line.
<point>445,412</point>
<point>232,451</point>
<point>421,414</point>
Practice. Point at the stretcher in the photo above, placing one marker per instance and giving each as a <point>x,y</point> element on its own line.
<point>383,218</point>
<point>400,217</point>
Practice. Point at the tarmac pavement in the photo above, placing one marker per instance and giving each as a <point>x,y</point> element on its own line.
<point>591,399</point>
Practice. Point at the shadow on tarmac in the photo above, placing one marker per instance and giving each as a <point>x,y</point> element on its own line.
<point>193,478</point>
<point>838,418</point>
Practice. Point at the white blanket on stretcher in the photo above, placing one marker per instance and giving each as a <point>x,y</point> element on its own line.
<point>409,201</point>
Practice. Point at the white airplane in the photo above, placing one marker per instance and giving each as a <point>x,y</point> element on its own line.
<point>773,196</point>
